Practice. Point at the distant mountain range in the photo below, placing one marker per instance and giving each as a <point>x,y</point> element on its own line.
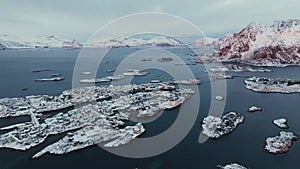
<point>133,42</point>
<point>275,45</point>
<point>9,42</point>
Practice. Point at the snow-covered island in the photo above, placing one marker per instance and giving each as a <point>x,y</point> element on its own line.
<point>215,127</point>
<point>219,98</point>
<point>254,109</point>
<point>231,166</point>
<point>280,144</point>
<point>238,68</point>
<point>281,123</point>
<point>267,85</point>
<point>102,121</point>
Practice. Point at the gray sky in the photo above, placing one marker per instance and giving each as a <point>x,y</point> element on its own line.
<point>81,18</point>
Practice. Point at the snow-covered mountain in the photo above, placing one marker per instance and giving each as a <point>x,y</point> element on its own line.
<point>206,41</point>
<point>7,42</point>
<point>10,42</point>
<point>132,42</point>
<point>278,44</point>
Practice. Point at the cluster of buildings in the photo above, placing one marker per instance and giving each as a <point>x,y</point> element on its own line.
<point>99,115</point>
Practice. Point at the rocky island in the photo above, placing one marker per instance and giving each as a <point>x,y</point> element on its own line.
<point>215,127</point>
<point>254,109</point>
<point>267,85</point>
<point>99,116</point>
<point>231,166</point>
<point>281,123</point>
<point>280,144</point>
<point>238,68</point>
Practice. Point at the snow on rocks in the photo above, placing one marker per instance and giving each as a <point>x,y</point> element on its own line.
<point>254,109</point>
<point>215,127</point>
<point>232,166</point>
<point>267,85</point>
<point>280,144</point>
<point>89,123</point>
<point>219,98</point>
<point>275,45</point>
<point>281,123</point>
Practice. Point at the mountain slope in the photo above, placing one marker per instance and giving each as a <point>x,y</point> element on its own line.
<point>278,44</point>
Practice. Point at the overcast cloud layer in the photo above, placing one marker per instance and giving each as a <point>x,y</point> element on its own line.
<point>80,19</point>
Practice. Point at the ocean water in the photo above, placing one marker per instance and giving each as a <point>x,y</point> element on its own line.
<point>244,145</point>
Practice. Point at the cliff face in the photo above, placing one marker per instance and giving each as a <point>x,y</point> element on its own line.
<point>262,45</point>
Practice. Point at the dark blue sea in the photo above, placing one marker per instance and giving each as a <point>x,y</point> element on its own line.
<point>244,145</point>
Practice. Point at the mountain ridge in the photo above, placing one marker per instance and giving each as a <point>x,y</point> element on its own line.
<point>10,42</point>
<point>278,44</point>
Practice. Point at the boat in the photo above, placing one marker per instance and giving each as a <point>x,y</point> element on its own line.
<point>55,74</point>
<point>219,98</point>
<point>146,59</point>
<point>117,77</point>
<point>40,70</point>
<point>165,59</point>
<point>86,73</point>
<point>174,104</point>
<point>134,72</point>
<point>155,81</point>
<point>187,82</point>
<point>50,79</point>
<point>109,70</point>
<point>95,80</point>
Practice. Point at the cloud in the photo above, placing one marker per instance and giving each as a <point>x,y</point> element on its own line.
<point>79,19</point>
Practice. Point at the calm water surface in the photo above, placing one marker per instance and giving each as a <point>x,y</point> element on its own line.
<point>244,145</point>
